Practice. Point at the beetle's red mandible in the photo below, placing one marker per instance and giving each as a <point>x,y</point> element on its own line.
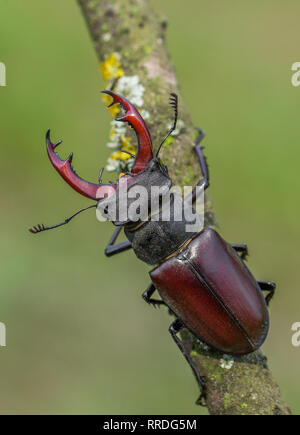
<point>65,169</point>
<point>132,116</point>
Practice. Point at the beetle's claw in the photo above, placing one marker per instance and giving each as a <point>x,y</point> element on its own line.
<point>117,100</point>
<point>111,104</point>
<point>203,395</point>
<point>70,158</point>
<point>48,140</point>
<point>201,399</point>
<point>245,255</point>
<point>51,147</point>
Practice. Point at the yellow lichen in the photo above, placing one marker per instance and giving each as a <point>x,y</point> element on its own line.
<point>111,70</point>
<point>111,67</point>
<point>119,155</point>
<point>125,146</point>
<point>113,110</point>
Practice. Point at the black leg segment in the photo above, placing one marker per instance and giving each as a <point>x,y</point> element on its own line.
<point>112,249</point>
<point>147,296</point>
<point>269,287</point>
<point>241,249</point>
<point>204,181</point>
<point>174,330</point>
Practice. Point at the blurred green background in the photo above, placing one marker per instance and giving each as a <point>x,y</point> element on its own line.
<point>79,337</point>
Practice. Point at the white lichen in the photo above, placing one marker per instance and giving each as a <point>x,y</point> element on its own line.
<point>145,114</point>
<point>112,165</point>
<point>226,362</point>
<point>131,88</point>
<point>106,37</point>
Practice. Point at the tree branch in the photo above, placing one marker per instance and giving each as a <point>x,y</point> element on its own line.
<point>136,34</point>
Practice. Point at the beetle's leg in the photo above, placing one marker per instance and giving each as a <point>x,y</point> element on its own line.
<point>240,248</point>
<point>269,287</point>
<point>112,249</point>
<point>147,296</point>
<point>174,329</point>
<point>204,181</point>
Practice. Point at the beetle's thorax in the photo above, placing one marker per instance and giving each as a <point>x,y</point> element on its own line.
<point>159,232</point>
<point>156,239</point>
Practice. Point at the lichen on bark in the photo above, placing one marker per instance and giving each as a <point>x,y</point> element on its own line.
<point>137,35</point>
<point>235,385</point>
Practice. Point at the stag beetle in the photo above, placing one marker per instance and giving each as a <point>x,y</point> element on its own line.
<point>202,279</point>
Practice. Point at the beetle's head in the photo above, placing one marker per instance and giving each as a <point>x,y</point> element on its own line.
<point>136,195</point>
<point>147,171</point>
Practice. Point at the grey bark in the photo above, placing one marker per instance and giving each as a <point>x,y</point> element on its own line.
<point>235,385</point>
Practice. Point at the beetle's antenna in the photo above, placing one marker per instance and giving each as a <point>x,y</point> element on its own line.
<point>39,228</point>
<point>173,100</point>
